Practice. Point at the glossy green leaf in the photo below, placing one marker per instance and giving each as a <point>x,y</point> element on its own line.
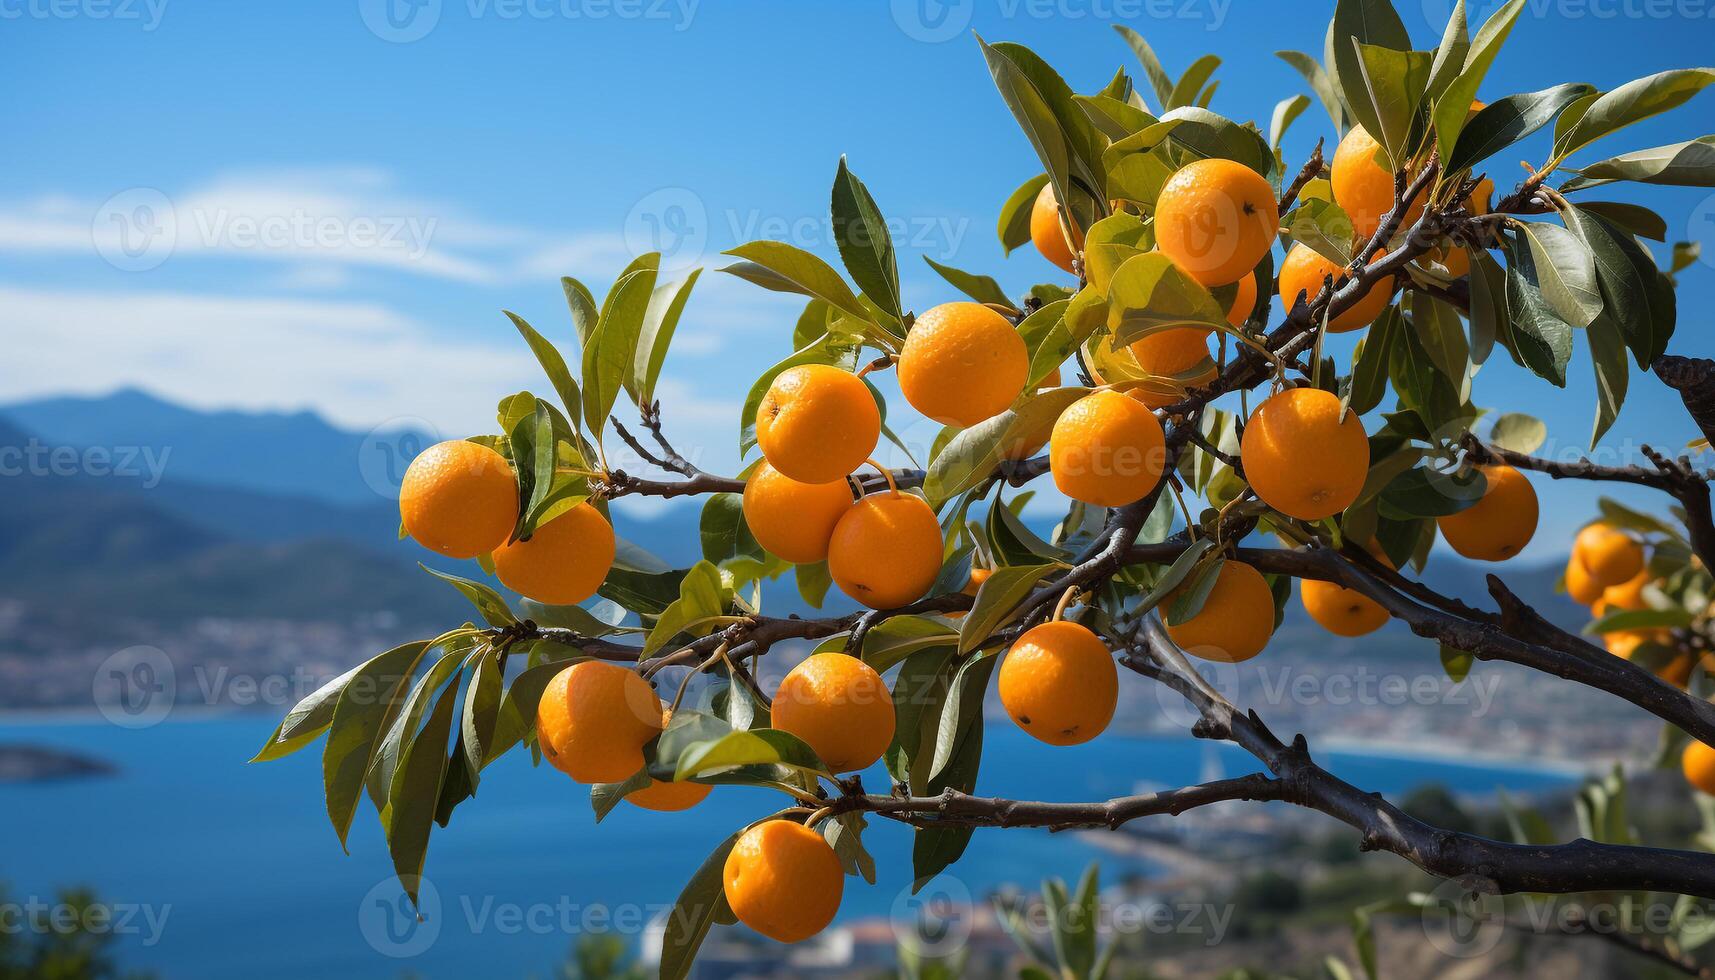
<point>1014,226</point>
<point>1149,292</point>
<point>998,596</point>
<point>865,245</point>
<point>788,268</point>
<point>656,335</point>
<point>1565,272</point>
<point>1186,90</point>
<point>487,601</point>
<point>612,349</point>
<point>553,365</point>
<point>756,747</point>
<point>983,289</point>
<point>1394,84</point>
<point>1636,100</point>
<point>1453,106</point>
<point>416,791</point>
<point>702,595</point>
<point>1158,77</point>
<point>1286,111</point>
<point>975,452</point>
<point>699,904</point>
<point>1687,164</point>
<point>1518,432</point>
<point>1372,22</point>
<point>1505,121</point>
<point>1320,84</point>
<point>362,716</point>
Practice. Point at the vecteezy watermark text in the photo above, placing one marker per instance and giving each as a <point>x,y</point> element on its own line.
<point>36,458</point>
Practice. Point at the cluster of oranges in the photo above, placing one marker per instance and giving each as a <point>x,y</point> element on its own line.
<point>962,363</point>
<point>1608,571</point>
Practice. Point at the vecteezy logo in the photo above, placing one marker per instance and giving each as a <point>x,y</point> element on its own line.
<point>672,221</point>
<point>389,448</point>
<point>135,687</point>
<point>933,21</point>
<point>935,921</point>
<point>1464,918</point>
<point>135,230</point>
<point>400,21</point>
<point>392,926</point>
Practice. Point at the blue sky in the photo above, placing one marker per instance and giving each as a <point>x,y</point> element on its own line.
<point>355,205</point>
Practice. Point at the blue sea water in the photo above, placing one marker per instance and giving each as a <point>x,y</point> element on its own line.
<point>240,868</point>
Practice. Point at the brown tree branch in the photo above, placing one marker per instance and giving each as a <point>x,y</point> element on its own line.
<point>952,808</point>
<point>1694,379</point>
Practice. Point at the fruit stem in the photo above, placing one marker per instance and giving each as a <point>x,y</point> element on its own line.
<point>884,361</point>
<point>1065,600</point>
<point>813,819</point>
<point>886,474</point>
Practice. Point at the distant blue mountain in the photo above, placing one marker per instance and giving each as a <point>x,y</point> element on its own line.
<point>279,453</point>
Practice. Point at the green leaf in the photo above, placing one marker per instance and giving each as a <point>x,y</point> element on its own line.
<point>1064,138</point>
<point>1285,112</point>
<point>605,796</point>
<point>487,601</point>
<point>1631,102</point>
<point>1641,619</point>
<point>1149,293</point>
<point>1320,85</point>
<point>1175,573</point>
<point>1422,492</point>
<point>1443,336</point>
<point>611,350</point>
<point>975,452</point>
<point>648,593</point>
<point>1451,55</point>
<point>1566,272</point>
<point>983,289</point>
<point>1504,122</point>
<point>844,833</point>
<point>1456,662</point>
<point>1538,338</point>
<point>1356,22</point>
<point>360,718</point>
<point>1014,226</point>
<point>552,364</point>
<point>702,595</point>
<point>584,312</point>
<point>918,693</point>
<point>1067,328</point>
<point>1394,84</point>
<point>721,526</point>
<point>701,902</point>
<point>416,792</point>
<point>1635,219</point>
<point>1189,598</point>
<point>865,245</point>
<point>813,582</point>
<point>756,747</point>
<point>1687,164</point>
<point>379,779</point>
<point>1625,272</point>
<point>1185,91</point>
<point>481,712</point>
<point>1489,317</point>
<point>896,638</point>
<point>1453,106</point>
<point>1370,361</point>
<point>656,335</point>
<point>1209,134</point>
<point>998,596</point>
<point>962,711</point>
<point>1519,433</point>
<point>1158,78</point>
<point>788,268</point>
<point>1323,226</point>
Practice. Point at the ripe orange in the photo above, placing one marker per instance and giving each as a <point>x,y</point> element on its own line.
<point>666,797</point>
<point>1630,593</point>
<point>978,577</point>
<point>1364,188</point>
<point>886,550</point>
<point>1059,683</point>
<point>594,719</point>
<point>1107,450</point>
<point>1244,301</point>
<point>1300,458</point>
<point>1481,198</point>
<point>1579,585</point>
<point>1236,620</point>
<point>840,706</point>
<point>1698,763</point>
<point>1216,219</point>
<point>459,499</point>
<point>564,562</point>
<point>1608,554</point>
<point>793,520</point>
<point>962,363</point>
<point>1498,526</point>
<point>1451,256</point>
<point>1304,270</point>
<point>1340,611</point>
<point>817,423</point>
<point>1045,231</point>
<point>783,880</point>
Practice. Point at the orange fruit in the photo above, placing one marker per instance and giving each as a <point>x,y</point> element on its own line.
<point>1340,611</point>
<point>1216,219</point>
<point>668,797</point>
<point>564,562</point>
<point>1107,450</point>
<point>978,577</point>
<point>1301,458</point>
<point>1304,270</point>
<point>1168,352</point>
<point>783,880</point>
<point>1481,198</point>
<point>594,719</point>
<point>459,499</point>
<point>1058,683</point>
<point>1608,554</point>
<point>793,520</point>
<point>1244,301</point>
<point>1451,256</point>
<point>1045,231</point>
<point>962,363</point>
<point>1498,526</point>
<point>1630,593</point>
<point>1698,762</point>
<point>817,423</point>
<point>1579,585</point>
<point>840,706</point>
<point>1236,620</point>
<point>1364,188</point>
<point>886,550</point>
